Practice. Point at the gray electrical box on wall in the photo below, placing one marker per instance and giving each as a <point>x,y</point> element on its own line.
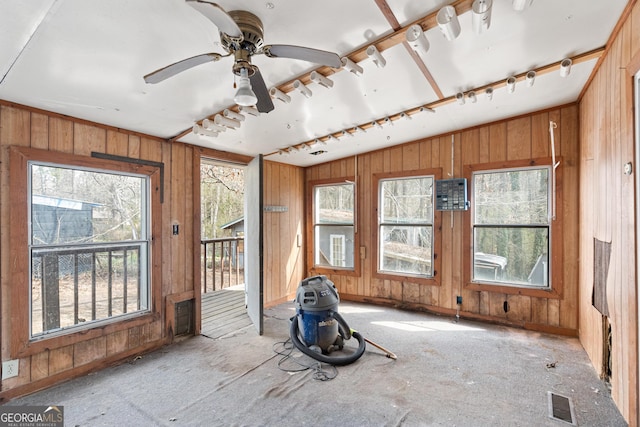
<point>451,194</point>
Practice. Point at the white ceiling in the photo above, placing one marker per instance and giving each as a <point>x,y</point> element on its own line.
<point>86,59</point>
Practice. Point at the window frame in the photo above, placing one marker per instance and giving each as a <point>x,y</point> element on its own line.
<point>555,255</point>
<point>311,231</point>
<point>22,344</point>
<point>376,224</point>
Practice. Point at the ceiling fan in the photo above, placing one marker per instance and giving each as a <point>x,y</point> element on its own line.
<point>241,35</point>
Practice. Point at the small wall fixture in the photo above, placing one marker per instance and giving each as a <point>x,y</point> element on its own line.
<point>416,38</point>
<point>565,67</point>
<point>511,84</point>
<point>320,79</point>
<point>460,98</point>
<point>481,15</point>
<point>351,66</point>
<point>489,93</point>
<point>278,94</point>
<point>376,56</point>
<point>297,84</point>
<point>448,22</point>
<point>530,78</point>
<point>520,5</point>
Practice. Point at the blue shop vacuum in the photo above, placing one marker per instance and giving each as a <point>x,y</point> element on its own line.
<point>318,329</point>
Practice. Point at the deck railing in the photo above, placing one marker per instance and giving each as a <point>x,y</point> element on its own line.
<point>223,263</point>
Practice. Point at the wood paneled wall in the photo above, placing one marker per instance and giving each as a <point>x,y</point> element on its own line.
<point>520,138</point>
<point>607,213</point>
<point>64,358</point>
<point>283,231</point>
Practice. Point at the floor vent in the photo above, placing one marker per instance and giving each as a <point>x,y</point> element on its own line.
<point>561,409</point>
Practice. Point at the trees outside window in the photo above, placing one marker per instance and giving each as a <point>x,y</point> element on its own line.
<point>333,225</point>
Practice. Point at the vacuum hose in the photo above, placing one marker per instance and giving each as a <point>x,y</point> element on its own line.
<point>346,333</point>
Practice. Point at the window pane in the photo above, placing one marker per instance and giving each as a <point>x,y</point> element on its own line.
<point>70,206</point>
<point>334,246</point>
<point>407,201</point>
<point>406,249</point>
<point>512,255</point>
<point>511,197</point>
<point>334,204</point>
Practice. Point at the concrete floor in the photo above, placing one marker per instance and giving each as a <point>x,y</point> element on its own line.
<point>446,374</point>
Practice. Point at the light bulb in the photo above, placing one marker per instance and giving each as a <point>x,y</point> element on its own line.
<point>244,95</point>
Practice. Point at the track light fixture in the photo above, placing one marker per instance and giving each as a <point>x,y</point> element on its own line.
<point>520,5</point>
<point>530,78</point>
<point>320,79</point>
<point>347,133</point>
<point>199,130</point>
<point>210,125</point>
<point>278,94</point>
<point>405,116</point>
<point>376,56</point>
<point>472,97</point>
<point>351,66</point>
<point>319,142</point>
<point>376,124</point>
<point>511,84</point>
<point>387,121</point>
<point>489,93</point>
<point>358,129</point>
<point>332,138</point>
<point>249,110</point>
<point>423,109</point>
<point>225,121</point>
<point>448,22</point>
<point>416,38</point>
<point>481,15</point>
<point>230,114</point>
<point>460,98</point>
<point>565,67</point>
<point>297,84</point>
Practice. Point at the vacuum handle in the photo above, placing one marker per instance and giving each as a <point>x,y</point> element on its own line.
<point>344,329</point>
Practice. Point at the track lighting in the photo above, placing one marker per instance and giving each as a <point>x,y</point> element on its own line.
<point>332,138</point>
<point>405,116</point>
<point>297,84</point>
<point>489,93</point>
<point>351,66</point>
<point>520,5</point>
<point>376,124</point>
<point>481,15</point>
<point>233,115</point>
<point>511,84</point>
<point>448,22</point>
<point>416,38</point>
<point>347,133</point>
<point>530,78</point>
<point>460,98</point>
<point>320,79</point>
<point>249,110</point>
<point>199,130</point>
<point>209,125</point>
<point>387,121</point>
<point>472,97</point>
<point>358,129</point>
<point>423,109</point>
<point>278,94</point>
<point>376,56</point>
<point>244,95</point>
<point>225,121</point>
<point>565,67</point>
<point>319,141</point>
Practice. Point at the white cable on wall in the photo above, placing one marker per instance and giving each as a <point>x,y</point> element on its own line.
<point>552,126</point>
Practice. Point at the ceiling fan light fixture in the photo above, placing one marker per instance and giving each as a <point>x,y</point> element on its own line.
<point>280,95</point>
<point>297,84</point>
<point>244,95</point>
<point>520,5</point>
<point>416,38</point>
<point>376,56</point>
<point>565,67</point>
<point>481,15</point>
<point>351,66</point>
<point>448,22</point>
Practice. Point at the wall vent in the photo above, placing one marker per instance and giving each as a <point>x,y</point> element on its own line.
<point>561,408</point>
<point>184,318</point>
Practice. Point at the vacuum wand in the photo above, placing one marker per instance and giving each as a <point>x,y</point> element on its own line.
<point>390,354</point>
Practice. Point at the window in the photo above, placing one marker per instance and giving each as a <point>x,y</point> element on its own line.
<point>511,222</point>
<point>405,226</point>
<point>333,218</point>
<point>89,244</point>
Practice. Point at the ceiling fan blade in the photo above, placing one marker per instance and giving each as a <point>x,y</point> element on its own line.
<point>180,66</point>
<point>218,16</point>
<point>304,53</point>
<point>265,104</point>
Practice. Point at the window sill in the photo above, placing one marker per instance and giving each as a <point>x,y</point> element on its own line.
<point>432,281</point>
<point>514,290</point>
<point>316,270</point>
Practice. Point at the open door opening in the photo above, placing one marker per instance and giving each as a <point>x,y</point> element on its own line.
<point>224,302</point>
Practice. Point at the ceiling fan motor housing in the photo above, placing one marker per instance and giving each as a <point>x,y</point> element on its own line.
<point>253,40</point>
